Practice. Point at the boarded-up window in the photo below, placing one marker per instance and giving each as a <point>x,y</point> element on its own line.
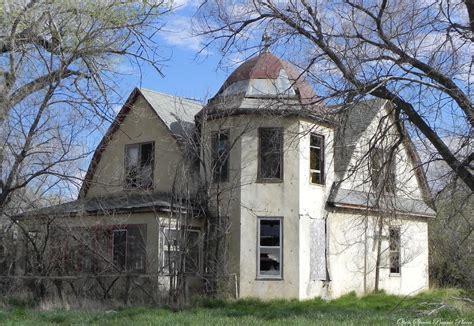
<point>220,156</point>
<point>394,244</point>
<point>139,160</point>
<point>270,156</point>
<point>316,159</point>
<point>269,248</point>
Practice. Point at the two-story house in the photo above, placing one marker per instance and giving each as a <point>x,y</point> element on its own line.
<point>317,201</point>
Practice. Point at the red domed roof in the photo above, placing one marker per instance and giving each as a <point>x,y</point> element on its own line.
<point>267,66</point>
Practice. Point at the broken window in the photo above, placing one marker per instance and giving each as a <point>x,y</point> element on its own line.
<point>394,244</point>
<point>173,243</point>
<point>316,159</point>
<point>382,168</point>
<point>270,156</point>
<point>139,165</point>
<point>220,156</point>
<point>269,247</point>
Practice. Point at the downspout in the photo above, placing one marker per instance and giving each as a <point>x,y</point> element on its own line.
<point>326,253</point>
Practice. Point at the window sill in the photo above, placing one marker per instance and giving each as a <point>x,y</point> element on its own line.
<point>394,275</point>
<point>317,185</point>
<point>269,181</point>
<point>261,278</point>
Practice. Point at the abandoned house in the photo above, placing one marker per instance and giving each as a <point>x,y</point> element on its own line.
<point>302,208</point>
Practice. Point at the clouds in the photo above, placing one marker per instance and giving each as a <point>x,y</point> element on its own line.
<point>179,32</point>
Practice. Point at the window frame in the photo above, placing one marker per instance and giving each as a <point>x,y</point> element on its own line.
<point>127,185</point>
<point>125,263</point>
<point>214,139</point>
<point>397,252</point>
<point>165,269</point>
<point>260,178</point>
<point>322,160</point>
<point>264,277</point>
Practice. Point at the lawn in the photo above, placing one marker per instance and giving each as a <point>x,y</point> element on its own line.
<point>440,307</point>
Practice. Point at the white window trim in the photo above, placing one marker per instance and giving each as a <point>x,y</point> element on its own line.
<point>173,248</point>
<point>321,148</point>
<point>265,276</point>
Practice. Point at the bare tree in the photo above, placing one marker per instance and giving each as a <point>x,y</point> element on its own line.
<point>58,76</point>
<point>415,54</point>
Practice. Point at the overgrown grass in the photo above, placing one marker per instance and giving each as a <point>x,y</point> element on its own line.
<point>438,307</point>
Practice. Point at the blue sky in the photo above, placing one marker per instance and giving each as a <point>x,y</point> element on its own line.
<point>187,73</point>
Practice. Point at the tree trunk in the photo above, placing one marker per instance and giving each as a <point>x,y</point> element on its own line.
<point>379,251</point>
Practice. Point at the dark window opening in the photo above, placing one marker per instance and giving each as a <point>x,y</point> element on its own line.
<point>316,159</point>
<point>139,160</point>
<point>383,169</point>
<point>220,156</point>
<point>269,247</point>
<point>270,154</point>
<point>394,244</point>
<point>120,249</point>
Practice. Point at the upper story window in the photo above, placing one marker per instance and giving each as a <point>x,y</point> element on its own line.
<point>382,168</point>
<point>394,244</point>
<point>220,156</point>
<point>316,159</point>
<point>270,154</point>
<point>139,161</point>
<point>269,248</point>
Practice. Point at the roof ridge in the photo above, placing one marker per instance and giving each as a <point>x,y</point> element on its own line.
<point>171,96</point>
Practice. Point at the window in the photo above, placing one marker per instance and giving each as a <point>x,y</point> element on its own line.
<point>316,159</point>
<point>270,156</point>
<point>269,248</point>
<point>394,244</point>
<point>139,165</point>
<point>382,170</point>
<point>172,244</point>
<point>120,249</point>
<point>220,156</point>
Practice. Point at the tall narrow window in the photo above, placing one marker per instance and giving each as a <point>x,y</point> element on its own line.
<point>269,248</point>
<point>270,156</point>
<point>220,156</point>
<point>316,159</point>
<point>139,165</point>
<point>394,244</point>
<point>382,168</point>
<point>120,249</point>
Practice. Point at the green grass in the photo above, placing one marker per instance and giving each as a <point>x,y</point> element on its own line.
<point>374,309</point>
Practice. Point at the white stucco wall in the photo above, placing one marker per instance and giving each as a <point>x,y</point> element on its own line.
<point>406,181</point>
<point>347,234</point>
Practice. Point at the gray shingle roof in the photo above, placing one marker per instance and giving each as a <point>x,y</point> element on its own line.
<point>123,203</point>
<point>351,198</point>
<point>176,112</point>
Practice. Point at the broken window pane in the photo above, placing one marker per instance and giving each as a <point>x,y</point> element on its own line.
<point>269,247</point>
<point>270,153</point>
<point>139,165</point>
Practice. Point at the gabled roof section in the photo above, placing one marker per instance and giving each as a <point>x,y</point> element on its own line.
<point>354,121</point>
<point>176,113</point>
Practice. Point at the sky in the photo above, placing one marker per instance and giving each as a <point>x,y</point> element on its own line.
<point>186,73</point>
